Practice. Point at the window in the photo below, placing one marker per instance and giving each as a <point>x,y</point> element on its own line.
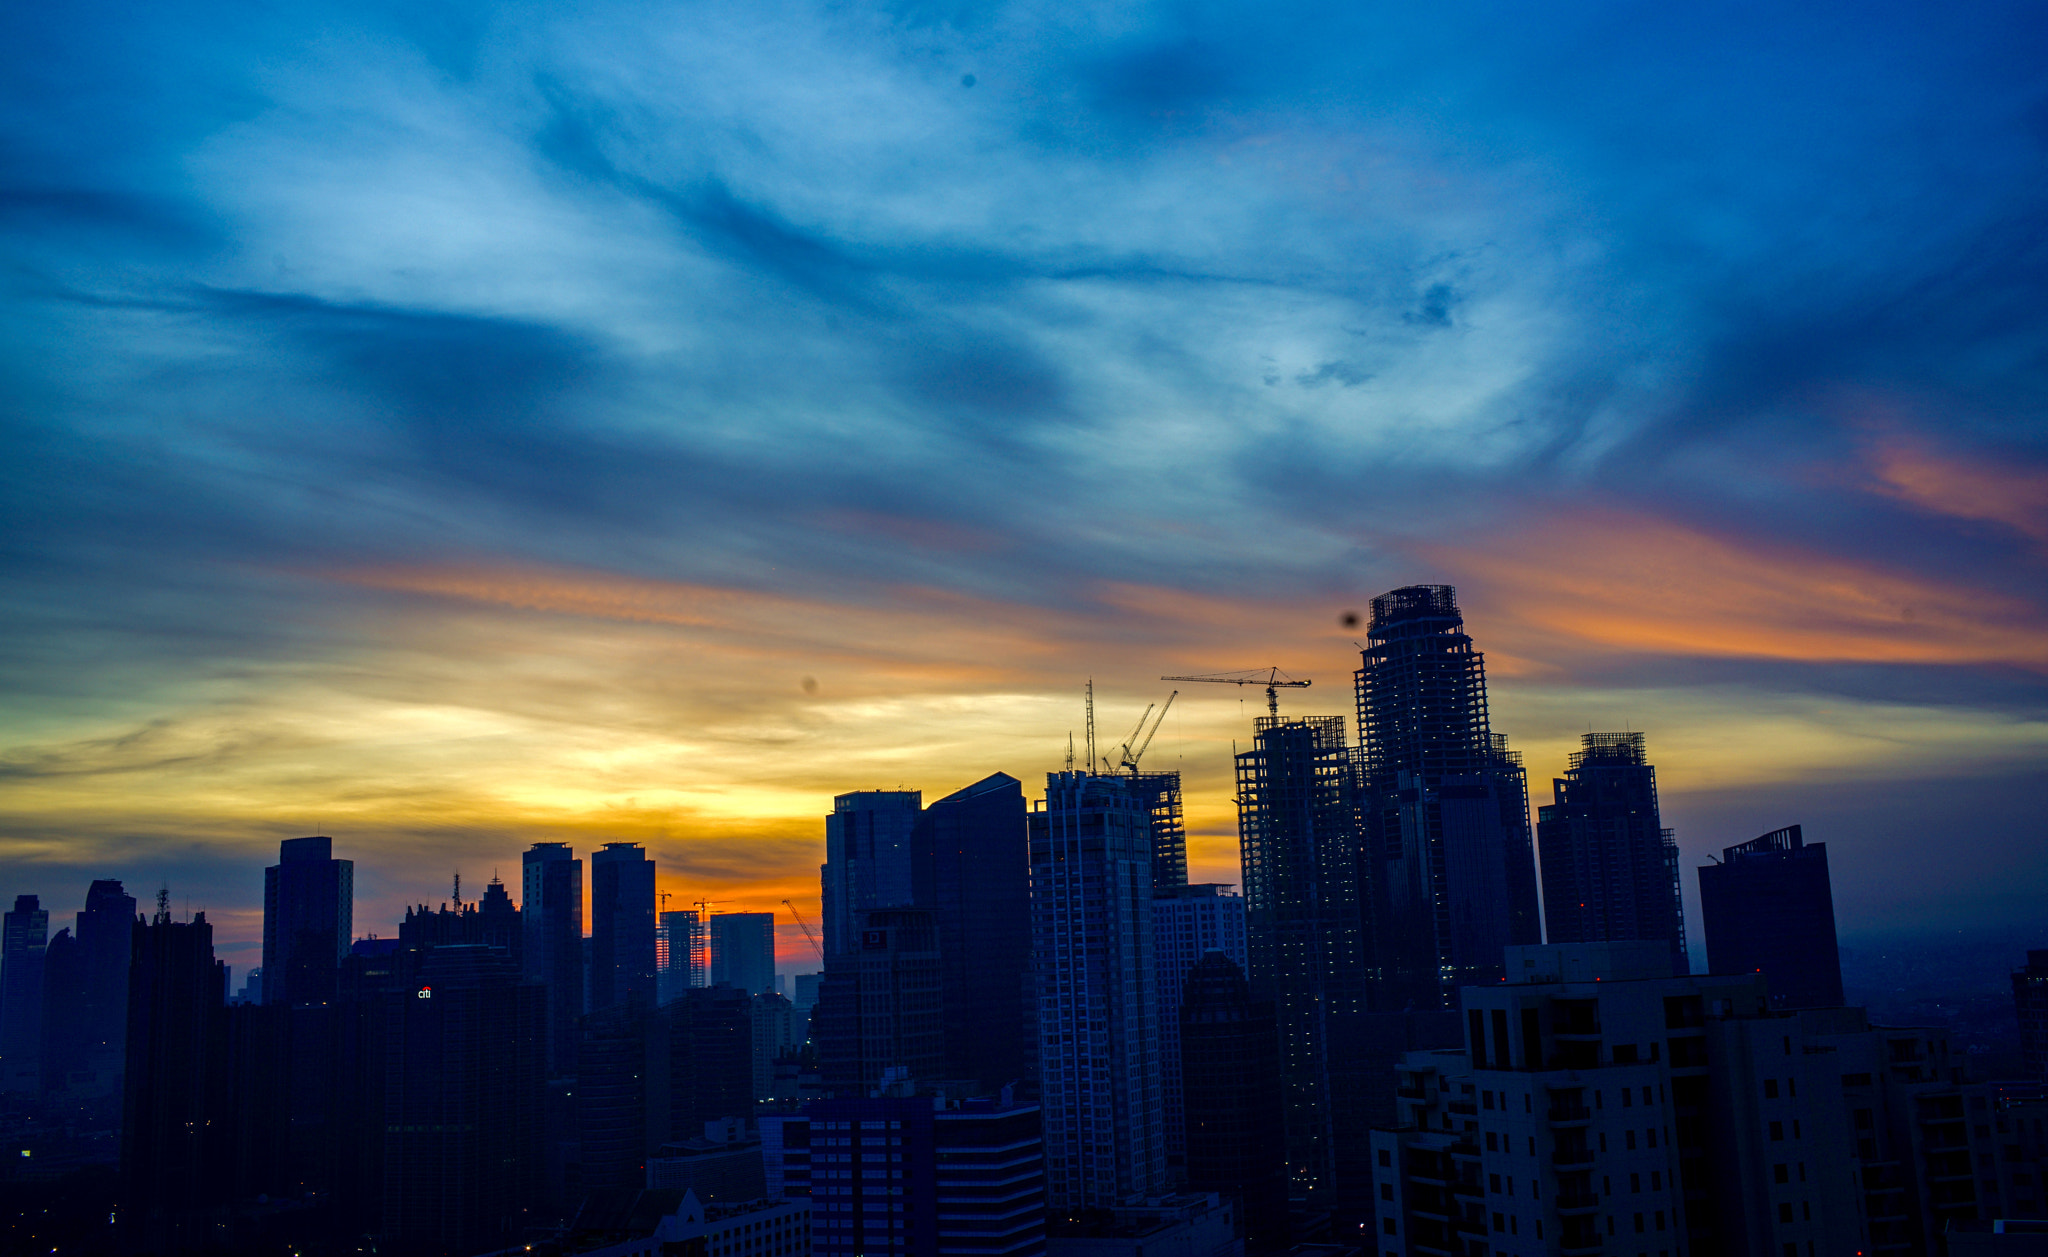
<point>1777,1131</point>
<point>1778,1174</point>
<point>1628,1098</point>
<point>1388,1226</point>
<point>1806,1209</point>
<point>1635,1182</point>
<point>1386,1158</point>
<point>1386,1191</point>
<point>1784,1211</point>
<point>1795,1128</point>
<point>1640,1228</point>
<point>1493,1183</point>
<point>1660,1219</point>
<point>1486,1099</point>
<point>1631,1137</point>
<point>1651,1134</point>
<point>1656,1180</point>
<point>1499,1223</point>
<point>1492,1142</point>
<point>1770,1088</point>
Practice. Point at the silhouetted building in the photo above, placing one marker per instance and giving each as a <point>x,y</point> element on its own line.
<point>85,997</point>
<point>1091,945</point>
<point>24,940</point>
<point>1304,928</point>
<point>722,1165</point>
<point>308,921</point>
<point>462,1117</point>
<point>2030,1001</point>
<point>682,947</point>
<point>494,922</point>
<point>1768,908</point>
<point>906,1175</point>
<point>176,1103</point>
<point>1187,923</point>
<point>551,918</point>
<point>867,859</point>
<point>1236,1140</point>
<point>970,870</point>
<point>621,925</point>
<point>774,1019</point>
<point>1610,869</point>
<point>743,950</point>
<point>1444,805</point>
<point>651,1076</point>
<point>881,1006</point>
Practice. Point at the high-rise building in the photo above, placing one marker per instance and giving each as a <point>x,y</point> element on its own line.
<point>1601,1104</point>
<point>906,1175</point>
<point>308,921</point>
<point>1159,794</point>
<point>867,859</point>
<point>551,918</point>
<point>743,951</point>
<point>621,925</point>
<point>881,1007</point>
<point>85,996</point>
<point>1304,929</point>
<point>1091,947</point>
<point>2030,1001</point>
<point>463,1081</point>
<point>1187,923</point>
<point>24,942</point>
<point>682,952</point>
<point>1768,908</point>
<point>1610,869</point>
<point>1236,1138</point>
<point>970,870</point>
<point>176,1103</point>
<point>1444,806</point>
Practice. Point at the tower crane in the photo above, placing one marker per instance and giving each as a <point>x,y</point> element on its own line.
<point>1134,746</point>
<point>1272,678</point>
<point>809,937</point>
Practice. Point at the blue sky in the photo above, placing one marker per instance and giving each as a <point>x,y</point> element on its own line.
<point>455,426</point>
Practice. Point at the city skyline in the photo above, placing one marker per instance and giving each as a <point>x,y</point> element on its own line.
<point>599,426</point>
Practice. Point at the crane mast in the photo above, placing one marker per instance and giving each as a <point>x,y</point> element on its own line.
<point>1272,679</point>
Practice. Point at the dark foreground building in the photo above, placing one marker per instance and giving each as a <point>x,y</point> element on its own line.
<point>1768,908</point>
<point>308,921</point>
<point>1610,868</point>
<point>1230,1071</point>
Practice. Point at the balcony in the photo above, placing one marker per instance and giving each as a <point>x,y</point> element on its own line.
<point>1577,1202</point>
<point>1407,1092</point>
<point>1465,1148</point>
<point>1472,1191</point>
<point>1464,1108</point>
<point>1572,1156</point>
<point>1577,1244</point>
<point>1569,1114</point>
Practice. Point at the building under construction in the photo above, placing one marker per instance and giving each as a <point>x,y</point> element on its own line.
<point>1297,839</point>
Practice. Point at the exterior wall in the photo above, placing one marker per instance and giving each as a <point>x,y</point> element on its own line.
<point>551,918</point>
<point>621,926</point>
<point>867,859</point>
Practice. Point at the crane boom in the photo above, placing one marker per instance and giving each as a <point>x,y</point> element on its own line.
<point>809,937</point>
<point>1273,679</point>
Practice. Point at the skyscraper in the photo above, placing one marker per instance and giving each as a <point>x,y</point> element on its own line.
<point>1443,804</point>
<point>308,921</point>
<point>2030,1002</point>
<point>971,871</point>
<point>682,946</point>
<point>1768,908</point>
<point>1091,946</point>
<point>881,1006</point>
<point>743,950</point>
<point>551,916</point>
<point>24,941</point>
<point>1188,923</point>
<point>85,996</point>
<point>1159,794</point>
<point>176,1105</point>
<point>621,925</point>
<point>1304,930</point>
<point>1230,1069</point>
<point>1610,869</point>
<point>867,859</point>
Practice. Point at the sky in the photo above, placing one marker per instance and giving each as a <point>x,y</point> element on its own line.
<point>448,427</point>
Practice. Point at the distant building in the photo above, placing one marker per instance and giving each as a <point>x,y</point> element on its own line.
<point>1610,869</point>
<point>867,859</point>
<point>1445,807</point>
<point>661,1223</point>
<point>2030,1000</point>
<point>1768,908</point>
<point>1159,794</point>
<point>1187,923</point>
<point>24,942</point>
<point>721,1166</point>
<point>774,1022</point>
<point>551,920</point>
<point>308,921</point>
<point>1091,944</point>
<point>743,951</point>
<point>681,945</point>
<point>85,997</point>
<point>621,925</point>
<point>1236,1138</point>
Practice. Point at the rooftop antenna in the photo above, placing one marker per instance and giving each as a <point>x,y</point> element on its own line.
<point>1070,750</point>
<point>163,904</point>
<point>458,888</point>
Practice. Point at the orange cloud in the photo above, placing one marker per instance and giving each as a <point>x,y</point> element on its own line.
<point>1633,583</point>
<point>1962,488</point>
